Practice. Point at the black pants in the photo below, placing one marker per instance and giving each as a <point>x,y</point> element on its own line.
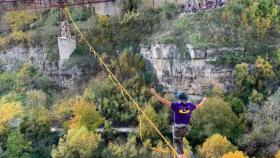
<point>179,132</point>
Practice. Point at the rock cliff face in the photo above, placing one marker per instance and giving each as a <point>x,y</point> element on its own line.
<point>11,59</point>
<point>190,71</point>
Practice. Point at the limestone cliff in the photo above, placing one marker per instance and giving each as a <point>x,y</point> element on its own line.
<point>11,59</point>
<point>191,71</point>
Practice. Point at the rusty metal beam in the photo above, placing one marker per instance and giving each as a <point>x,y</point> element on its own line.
<point>16,5</point>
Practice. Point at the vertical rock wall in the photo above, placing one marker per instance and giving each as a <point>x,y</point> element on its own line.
<point>191,71</point>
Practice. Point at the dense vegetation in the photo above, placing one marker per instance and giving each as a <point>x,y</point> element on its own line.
<point>39,119</point>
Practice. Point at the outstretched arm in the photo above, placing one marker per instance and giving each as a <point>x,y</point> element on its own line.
<point>201,103</point>
<point>159,98</point>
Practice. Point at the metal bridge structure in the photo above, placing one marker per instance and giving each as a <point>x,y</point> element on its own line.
<point>17,5</point>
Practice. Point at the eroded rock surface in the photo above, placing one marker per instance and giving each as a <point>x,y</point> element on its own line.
<point>191,71</point>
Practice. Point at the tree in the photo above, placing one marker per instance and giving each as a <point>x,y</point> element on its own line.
<point>25,77</point>
<point>129,68</point>
<point>130,149</point>
<point>235,154</point>
<point>78,142</point>
<point>244,81</point>
<point>19,21</point>
<point>17,146</point>
<point>85,114</point>
<point>263,15</point>
<point>211,119</point>
<point>263,139</point>
<point>130,5</point>
<point>259,76</point>
<point>237,105</point>
<point>35,98</point>
<point>7,83</point>
<point>264,75</point>
<point>147,130</point>
<point>127,149</point>
<point>277,155</point>
<point>8,111</point>
<point>35,126</point>
<point>215,146</point>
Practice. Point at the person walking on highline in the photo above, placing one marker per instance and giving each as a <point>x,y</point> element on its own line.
<point>182,114</point>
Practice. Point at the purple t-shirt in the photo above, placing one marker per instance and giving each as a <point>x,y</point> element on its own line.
<point>182,112</point>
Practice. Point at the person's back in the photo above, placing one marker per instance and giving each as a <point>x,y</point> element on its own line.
<point>182,114</point>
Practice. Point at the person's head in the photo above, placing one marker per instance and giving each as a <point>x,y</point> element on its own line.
<point>182,96</point>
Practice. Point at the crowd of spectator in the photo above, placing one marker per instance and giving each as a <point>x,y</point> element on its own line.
<point>207,4</point>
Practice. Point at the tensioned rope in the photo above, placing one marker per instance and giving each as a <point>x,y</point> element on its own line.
<point>114,79</point>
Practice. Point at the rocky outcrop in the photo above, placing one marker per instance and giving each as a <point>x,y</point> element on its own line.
<point>190,71</point>
<point>11,59</point>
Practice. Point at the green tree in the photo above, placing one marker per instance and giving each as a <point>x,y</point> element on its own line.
<point>237,105</point>
<point>215,146</point>
<point>262,15</point>
<point>211,119</point>
<point>130,5</point>
<point>7,83</point>
<point>78,142</point>
<point>160,122</point>
<point>247,77</point>
<point>25,77</point>
<point>112,103</point>
<point>244,81</point>
<point>264,74</point>
<point>17,146</point>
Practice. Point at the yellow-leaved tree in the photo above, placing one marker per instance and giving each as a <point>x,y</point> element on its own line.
<point>277,155</point>
<point>85,114</point>
<point>8,111</point>
<point>19,21</point>
<point>235,154</point>
<point>215,146</point>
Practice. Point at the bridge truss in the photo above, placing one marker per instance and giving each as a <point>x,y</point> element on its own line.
<point>16,5</point>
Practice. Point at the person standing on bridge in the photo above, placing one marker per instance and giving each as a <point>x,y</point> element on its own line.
<point>182,114</point>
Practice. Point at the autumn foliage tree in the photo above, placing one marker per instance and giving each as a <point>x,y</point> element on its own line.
<point>215,146</point>
<point>19,21</point>
<point>85,114</point>
<point>277,155</point>
<point>8,111</point>
<point>235,154</point>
